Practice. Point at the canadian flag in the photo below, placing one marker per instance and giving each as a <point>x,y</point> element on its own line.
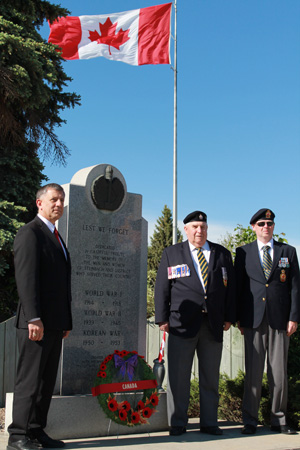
<point>162,347</point>
<point>137,37</point>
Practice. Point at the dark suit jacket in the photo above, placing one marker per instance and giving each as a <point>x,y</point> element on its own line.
<point>179,301</point>
<point>279,297</point>
<point>43,277</point>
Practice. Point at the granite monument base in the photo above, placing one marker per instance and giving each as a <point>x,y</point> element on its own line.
<point>80,416</point>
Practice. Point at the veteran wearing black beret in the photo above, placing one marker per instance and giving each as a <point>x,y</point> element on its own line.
<point>268,297</point>
<point>194,303</point>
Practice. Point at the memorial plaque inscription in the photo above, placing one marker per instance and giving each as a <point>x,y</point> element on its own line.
<point>109,265</point>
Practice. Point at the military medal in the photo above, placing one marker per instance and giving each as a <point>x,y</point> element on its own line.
<point>179,271</point>
<point>224,275</point>
<point>283,276</point>
<point>284,262</point>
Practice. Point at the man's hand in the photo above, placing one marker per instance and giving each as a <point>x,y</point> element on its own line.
<point>291,328</point>
<point>66,334</point>
<point>36,330</point>
<point>164,326</point>
<point>240,328</point>
<point>226,326</point>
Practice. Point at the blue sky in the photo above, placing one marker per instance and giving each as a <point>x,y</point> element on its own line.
<point>238,114</point>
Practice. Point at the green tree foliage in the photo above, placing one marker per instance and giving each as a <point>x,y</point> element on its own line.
<point>242,236</point>
<point>32,79</point>
<point>9,225</point>
<point>162,238</point>
<point>231,399</point>
<point>20,176</point>
<point>32,97</point>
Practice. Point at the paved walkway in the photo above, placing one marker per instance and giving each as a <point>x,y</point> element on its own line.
<point>232,439</point>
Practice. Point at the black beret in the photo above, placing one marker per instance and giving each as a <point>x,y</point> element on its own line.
<point>262,214</point>
<point>196,216</point>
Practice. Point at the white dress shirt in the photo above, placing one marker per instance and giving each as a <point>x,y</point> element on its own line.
<point>261,252</point>
<point>52,228</point>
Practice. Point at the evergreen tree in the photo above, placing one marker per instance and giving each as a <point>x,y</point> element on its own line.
<point>20,177</point>
<point>32,96</point>
<point>162,238</point>
<point>32,80</point>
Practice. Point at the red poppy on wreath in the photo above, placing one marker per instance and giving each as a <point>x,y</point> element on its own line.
<point>135,417</point>
<point>122,414</point>
<point>147,412</point>
<point>108,358</point>
<point>154,399</point>
<point>117,352</point>
<point>123,353</point>
<point>101,374</point>
<point>103,366</point>
<point>112,404</point>
<point>140,405</point>
<point>124,405</point>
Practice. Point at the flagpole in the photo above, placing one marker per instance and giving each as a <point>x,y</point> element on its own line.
<point>175,130</point>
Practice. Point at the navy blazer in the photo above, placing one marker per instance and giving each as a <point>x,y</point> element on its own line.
<point>279,296</point>
<point>180,301</point>
<point>43,277</point>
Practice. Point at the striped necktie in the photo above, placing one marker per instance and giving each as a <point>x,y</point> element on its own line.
<point>267,261</point>
<point>203,266</point>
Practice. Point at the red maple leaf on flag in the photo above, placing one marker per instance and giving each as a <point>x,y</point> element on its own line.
<point>109,36</point>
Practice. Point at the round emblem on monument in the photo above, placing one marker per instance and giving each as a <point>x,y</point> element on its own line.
<point>107,192</point>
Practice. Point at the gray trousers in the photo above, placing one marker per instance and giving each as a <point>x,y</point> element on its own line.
<point>275,343</point>
<point>180,359</point>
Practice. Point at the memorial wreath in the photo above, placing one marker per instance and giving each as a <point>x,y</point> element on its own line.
<point>126,388</point>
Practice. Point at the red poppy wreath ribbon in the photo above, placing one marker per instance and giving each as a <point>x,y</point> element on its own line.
<point>123,387</point>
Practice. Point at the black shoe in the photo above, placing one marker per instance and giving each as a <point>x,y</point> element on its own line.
<point>249,429</point>
<point>43,439</point>
<point>285,429</point>
<point>215,431</point>
<point>177,431</point>
<point>22,444</point>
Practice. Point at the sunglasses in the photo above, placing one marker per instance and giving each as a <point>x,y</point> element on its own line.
<point>262,224</point>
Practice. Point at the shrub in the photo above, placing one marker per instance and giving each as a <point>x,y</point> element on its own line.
<point>231,396</point>
<point>194,406</point>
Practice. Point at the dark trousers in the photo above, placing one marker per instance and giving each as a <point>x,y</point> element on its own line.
<point>260,342</point>
<point>181,353</point>
<point>35,381</point>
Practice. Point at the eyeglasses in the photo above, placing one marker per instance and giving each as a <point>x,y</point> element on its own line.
<point>262,224</point>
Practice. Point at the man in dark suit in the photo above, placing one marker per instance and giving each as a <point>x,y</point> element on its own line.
<point>43,277</point>
<point>268,293</point>
<point>194,303</point>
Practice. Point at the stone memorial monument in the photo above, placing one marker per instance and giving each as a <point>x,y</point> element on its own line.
<point>107,239</point>
<point>106,236</point>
